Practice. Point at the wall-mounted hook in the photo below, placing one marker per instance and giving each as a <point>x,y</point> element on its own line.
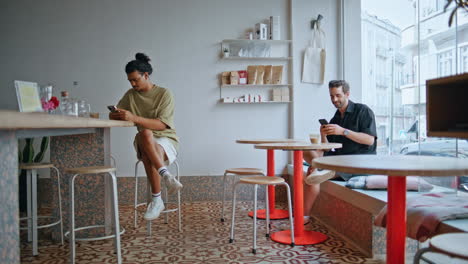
<point>316,21</point>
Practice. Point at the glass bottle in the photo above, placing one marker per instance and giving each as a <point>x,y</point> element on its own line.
<point>68,106</point>
<point>64,103</point>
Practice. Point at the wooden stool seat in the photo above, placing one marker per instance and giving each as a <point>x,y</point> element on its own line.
<point>262,180</point>
<point>34,166</point>
<point>87,170</point>
<point>245,171</point>
<point>452,244</point>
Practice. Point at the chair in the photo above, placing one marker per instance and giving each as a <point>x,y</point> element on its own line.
<point>32,217</point>
<point>241,172</point>
<point>115,210</point>
<point>450,244</point>
<point>165,199</point>
<point>266,181</point>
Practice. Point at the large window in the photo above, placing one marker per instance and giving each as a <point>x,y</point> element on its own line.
<point>403,44</point>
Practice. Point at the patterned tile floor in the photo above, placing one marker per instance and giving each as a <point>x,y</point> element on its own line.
<point>204,239</point>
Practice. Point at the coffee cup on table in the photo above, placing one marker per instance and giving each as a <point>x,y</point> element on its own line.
<point>314,138</point>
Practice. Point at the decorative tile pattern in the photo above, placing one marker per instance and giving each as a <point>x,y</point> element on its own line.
<point>204,239</point>
<point>9,198</point>
<point>78,151</point>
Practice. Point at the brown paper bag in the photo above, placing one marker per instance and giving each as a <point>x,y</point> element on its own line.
<point>234,78</point>
<point>260,73</point>
<point>277,74</point>
<point>251,74</point>
<point>267,75</point>
<point>225,78</point>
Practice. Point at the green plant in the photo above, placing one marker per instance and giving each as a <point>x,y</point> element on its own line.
<point>463,4</point>
<point>27,156</point>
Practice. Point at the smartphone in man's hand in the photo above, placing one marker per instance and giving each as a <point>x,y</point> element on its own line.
<point>112,108</point>
<point>323,122</point>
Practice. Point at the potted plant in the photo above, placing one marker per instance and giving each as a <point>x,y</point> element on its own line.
<point>226,52</point>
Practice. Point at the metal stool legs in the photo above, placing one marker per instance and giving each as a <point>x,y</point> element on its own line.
<point>165,199</point>
<point>32,217</point>
<point>418,256</point>
<point>234,196</point>
<point>224,196</point>
<point>115,220</point>
<point>224,188</point>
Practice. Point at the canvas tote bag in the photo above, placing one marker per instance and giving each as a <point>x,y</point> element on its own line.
<point>313,70</point>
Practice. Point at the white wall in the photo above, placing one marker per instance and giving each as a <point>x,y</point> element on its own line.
<point>91,41</point>
<point>312,101</point>
<point>352,48</point>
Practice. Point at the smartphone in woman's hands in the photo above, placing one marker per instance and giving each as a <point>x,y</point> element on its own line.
<point>112,108</point>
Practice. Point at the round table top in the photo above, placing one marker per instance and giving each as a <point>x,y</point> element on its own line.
<point>263,140</point>
<point>453,244</point>
<point>298,146</point>
<point>398,165</point>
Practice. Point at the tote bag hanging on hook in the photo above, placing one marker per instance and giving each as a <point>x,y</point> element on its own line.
<point>313,70</point>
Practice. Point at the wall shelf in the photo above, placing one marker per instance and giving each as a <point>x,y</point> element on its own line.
<point>253,85</point>
<point>256,41</point>
<point>246,51</point>
<point>256,58</point>
<point>265,102</point>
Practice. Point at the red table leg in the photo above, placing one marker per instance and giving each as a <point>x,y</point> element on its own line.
<point>396,219</point>
<point>274,213</point>
<point>301,236</point>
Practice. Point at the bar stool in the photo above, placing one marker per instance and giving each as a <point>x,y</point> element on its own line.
<point>450,244</point>
<point>266,181</point>
<point>165,199</point>
<point>241,172</point>
<point>115,210</point>
<point>32,217</point>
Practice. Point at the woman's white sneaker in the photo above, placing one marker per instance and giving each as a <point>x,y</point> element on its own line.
<point>154,209</point>
<point>172,184</point>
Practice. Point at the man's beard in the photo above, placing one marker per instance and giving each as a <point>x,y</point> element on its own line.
<point>339,105</point>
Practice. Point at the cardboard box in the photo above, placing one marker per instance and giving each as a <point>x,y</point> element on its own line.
<point>277,92</point>
<point>261,31</point>
<point>228,100</point>
<point>274,32</point>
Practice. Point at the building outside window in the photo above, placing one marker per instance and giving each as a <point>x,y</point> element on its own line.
<point>404,43</point>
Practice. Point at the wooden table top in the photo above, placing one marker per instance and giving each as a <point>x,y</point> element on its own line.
<point>303,145</point>
<point>397,165</point>
<point>13,120</point>
<point>262,141</point>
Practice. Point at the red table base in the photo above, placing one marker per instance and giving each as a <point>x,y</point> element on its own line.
<point>396,220</point>
<point>307,237</point>
<point>274,214</point>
